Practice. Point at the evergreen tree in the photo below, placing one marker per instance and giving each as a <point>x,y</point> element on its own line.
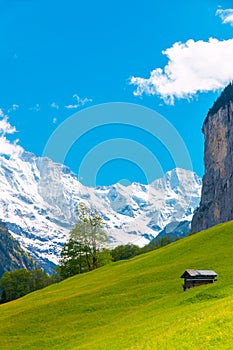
<point>223,100</point>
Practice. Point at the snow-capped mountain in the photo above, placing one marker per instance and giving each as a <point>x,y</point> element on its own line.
<point>39,198</point>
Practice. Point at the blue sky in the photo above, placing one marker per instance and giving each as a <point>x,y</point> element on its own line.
<point>58,58</point>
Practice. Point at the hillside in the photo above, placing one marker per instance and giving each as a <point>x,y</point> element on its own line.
<point>137,304</point>
<point>12,256</point>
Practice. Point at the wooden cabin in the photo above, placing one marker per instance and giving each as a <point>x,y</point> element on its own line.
<point>194,278</point>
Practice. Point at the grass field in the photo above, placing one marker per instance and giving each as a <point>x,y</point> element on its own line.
<point>137,304</point>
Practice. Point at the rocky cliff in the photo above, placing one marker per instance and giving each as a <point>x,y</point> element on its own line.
<point>216,204</point>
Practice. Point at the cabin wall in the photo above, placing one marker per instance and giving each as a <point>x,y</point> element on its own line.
<point>195,283</point>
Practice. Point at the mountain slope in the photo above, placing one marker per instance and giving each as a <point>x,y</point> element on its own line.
<point>137,304</point>
<point>12,256</point>
<point>39,199</point>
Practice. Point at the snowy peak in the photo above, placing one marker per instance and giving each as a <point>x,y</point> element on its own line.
<point>39,199</point>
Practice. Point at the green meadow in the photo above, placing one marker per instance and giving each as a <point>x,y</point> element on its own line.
<point>135,304</point>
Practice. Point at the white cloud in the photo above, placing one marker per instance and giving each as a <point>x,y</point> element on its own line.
<point>35,108</point>
<point>75,106</point>
<point>6,147</point>
<point>79,102</point>
<point>226,16</point>
<point>194,66</point>
<point>54,105</point>
<point>54,120</point>
<point>82,101</point>
<point>5,126</point>
<point>13,108</point>
<point>9,149</point>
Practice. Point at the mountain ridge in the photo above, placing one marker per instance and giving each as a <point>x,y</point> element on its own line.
<point>39,200</point>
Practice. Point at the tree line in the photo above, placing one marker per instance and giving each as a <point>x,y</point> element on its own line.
<point>18,283</point>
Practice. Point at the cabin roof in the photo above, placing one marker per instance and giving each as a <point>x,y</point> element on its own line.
<point>195,273</point>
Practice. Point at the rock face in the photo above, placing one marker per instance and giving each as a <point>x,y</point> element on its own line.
<point>216,204</point>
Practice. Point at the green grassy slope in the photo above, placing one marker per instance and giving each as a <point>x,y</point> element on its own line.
<point>137,304</point>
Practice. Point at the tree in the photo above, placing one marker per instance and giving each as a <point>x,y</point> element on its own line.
<point>18,283</point>
<point>124,252</point>
<point>225,97</point>
<point>56,277</point>
<point>104,257</point>
<point>38,279</point>
<point>86,243</point>
<point>74,259</point>
<point>15,284</point>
